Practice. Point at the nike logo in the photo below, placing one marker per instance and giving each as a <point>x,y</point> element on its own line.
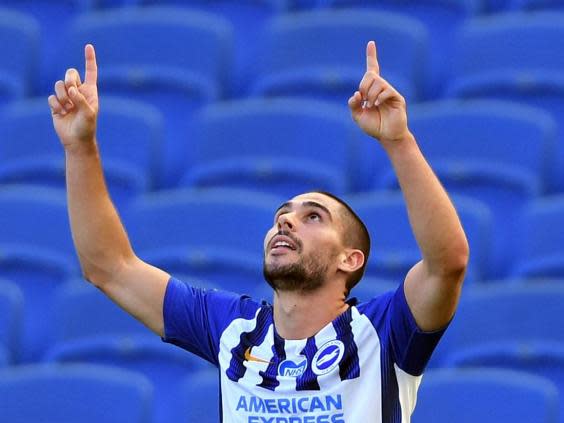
<point>249,357</point>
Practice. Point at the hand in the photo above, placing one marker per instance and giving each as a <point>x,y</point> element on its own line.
<point>74,106</point>
<point>377,107</point>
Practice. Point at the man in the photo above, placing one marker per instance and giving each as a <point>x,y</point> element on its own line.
<point>311,356</point>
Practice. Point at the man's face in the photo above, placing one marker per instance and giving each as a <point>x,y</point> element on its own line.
<point>301,248</point>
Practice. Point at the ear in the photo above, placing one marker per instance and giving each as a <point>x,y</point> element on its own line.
<point>351,260</point>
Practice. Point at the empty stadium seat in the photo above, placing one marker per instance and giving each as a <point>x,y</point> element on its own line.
<point>19,41</point>
<point>394,250</point>
<point>490,62</point>
<point>173,58</point>
<point>197,398</point>
<point>441,19</point>
<point>79,393</point>
<point>485,396</point>
<point>531,5</point>
<point>282,146</point>
<point>543,359</point>
<point>498,152</point>
<point>129,134</point>
<point>248,18</point>
<point>321,54</point>
<point>11,316</point>
<point>183,218</point>
<point>222,267</point>
<point>164,365</point>
<point>541,239</point>
<point>504,313</point>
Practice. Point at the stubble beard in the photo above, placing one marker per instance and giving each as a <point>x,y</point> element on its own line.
<point>306,275</point>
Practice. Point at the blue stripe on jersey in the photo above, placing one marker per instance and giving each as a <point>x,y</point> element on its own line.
<point>391,407</point>
<point>250,339</point>
<point>349,367</point>
<point>308,380</point>
<point>269,376</point>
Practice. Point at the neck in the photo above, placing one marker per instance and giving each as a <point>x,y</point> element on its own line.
<point>299,315</point>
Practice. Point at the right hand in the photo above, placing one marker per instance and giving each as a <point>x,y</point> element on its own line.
<point>74,106</point>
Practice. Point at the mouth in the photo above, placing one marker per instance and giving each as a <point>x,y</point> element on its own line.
<point>282,243</point>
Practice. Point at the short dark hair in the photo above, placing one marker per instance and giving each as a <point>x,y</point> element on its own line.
<point>356,235</point>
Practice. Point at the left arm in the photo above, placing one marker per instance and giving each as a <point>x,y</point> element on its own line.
<point>432,286</point>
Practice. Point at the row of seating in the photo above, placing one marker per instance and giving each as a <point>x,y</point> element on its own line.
<point>89,329</point>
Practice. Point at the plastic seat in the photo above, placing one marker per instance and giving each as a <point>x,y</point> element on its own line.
<point>222,267</point>
<point>487,65</point>
<point>189,218</point>
<point>164,365</point>
<point>321,53</point>
<point>394,250</point>
<point>502,154</point>
<point>282,146</point>
<point>197,398</point>
<point>441,19</point>
<point>129,133</point>
<point>485,396</point>
<point>11,316</point>
<point>84,393</point>
<point>172,58</point>
<point>541,252</point>
<point>544,359</point>
<point>19,41</point>
<point>505,313</point>
<point>247,18</point>
<point>531,5</point>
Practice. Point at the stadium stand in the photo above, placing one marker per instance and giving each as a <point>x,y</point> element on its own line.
<point>11,314</point>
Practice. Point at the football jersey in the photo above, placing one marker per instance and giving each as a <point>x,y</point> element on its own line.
<point>364,366</point>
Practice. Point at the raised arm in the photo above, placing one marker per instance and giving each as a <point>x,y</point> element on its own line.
<point>432,286</point>
<point>106,257</point>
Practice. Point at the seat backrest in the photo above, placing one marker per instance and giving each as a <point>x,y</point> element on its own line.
<point>336,40</point>
<point>486,396</point>
<point>84,393</point>
<point>221,217</point>
<point>11,315</point>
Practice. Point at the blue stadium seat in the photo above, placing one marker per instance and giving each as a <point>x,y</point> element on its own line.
<point>37,250</point>
<point>485,396</point>
<point>394,250</point>
<point>223,268</point>
<point>79,393</point>
<point>248,18</point>
<point>197,398</point>
<point>11,316</point>
<point>518,313</point>
<point>19,42</point>
<point>129,133</point>
<point>500,153</point>
<point>283,146</point>
<point>441,19</point>
<point>184,218</point>
<point>541,240</point>
<point>541,358</point>
<point>164,365</point>
<point>321,54</point>
<point>51,16</point>
<point>175,59</point>
<point>531,5</point>
<point>489,63</point>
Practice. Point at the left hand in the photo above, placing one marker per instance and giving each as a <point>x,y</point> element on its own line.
<point>377,107</point>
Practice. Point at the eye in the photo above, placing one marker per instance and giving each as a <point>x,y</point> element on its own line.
<point>314,216</point>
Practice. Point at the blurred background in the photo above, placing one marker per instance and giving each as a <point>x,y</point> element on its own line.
<point>212,113</point>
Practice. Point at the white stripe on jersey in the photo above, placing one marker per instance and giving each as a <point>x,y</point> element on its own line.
<point>408,386</point>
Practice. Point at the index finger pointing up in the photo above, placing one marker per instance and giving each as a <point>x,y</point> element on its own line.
<point>371,59</point>
<point>91,75</point>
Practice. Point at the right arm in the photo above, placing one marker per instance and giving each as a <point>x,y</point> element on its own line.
<point>105,253</point>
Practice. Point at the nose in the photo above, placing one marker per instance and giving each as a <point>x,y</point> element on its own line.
<point>286,221</point>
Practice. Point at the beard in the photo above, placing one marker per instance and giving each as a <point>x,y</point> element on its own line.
<point>306,275</point>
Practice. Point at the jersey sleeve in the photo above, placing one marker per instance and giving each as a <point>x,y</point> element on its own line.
<point>194,318</point>
<point>410,347</point>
